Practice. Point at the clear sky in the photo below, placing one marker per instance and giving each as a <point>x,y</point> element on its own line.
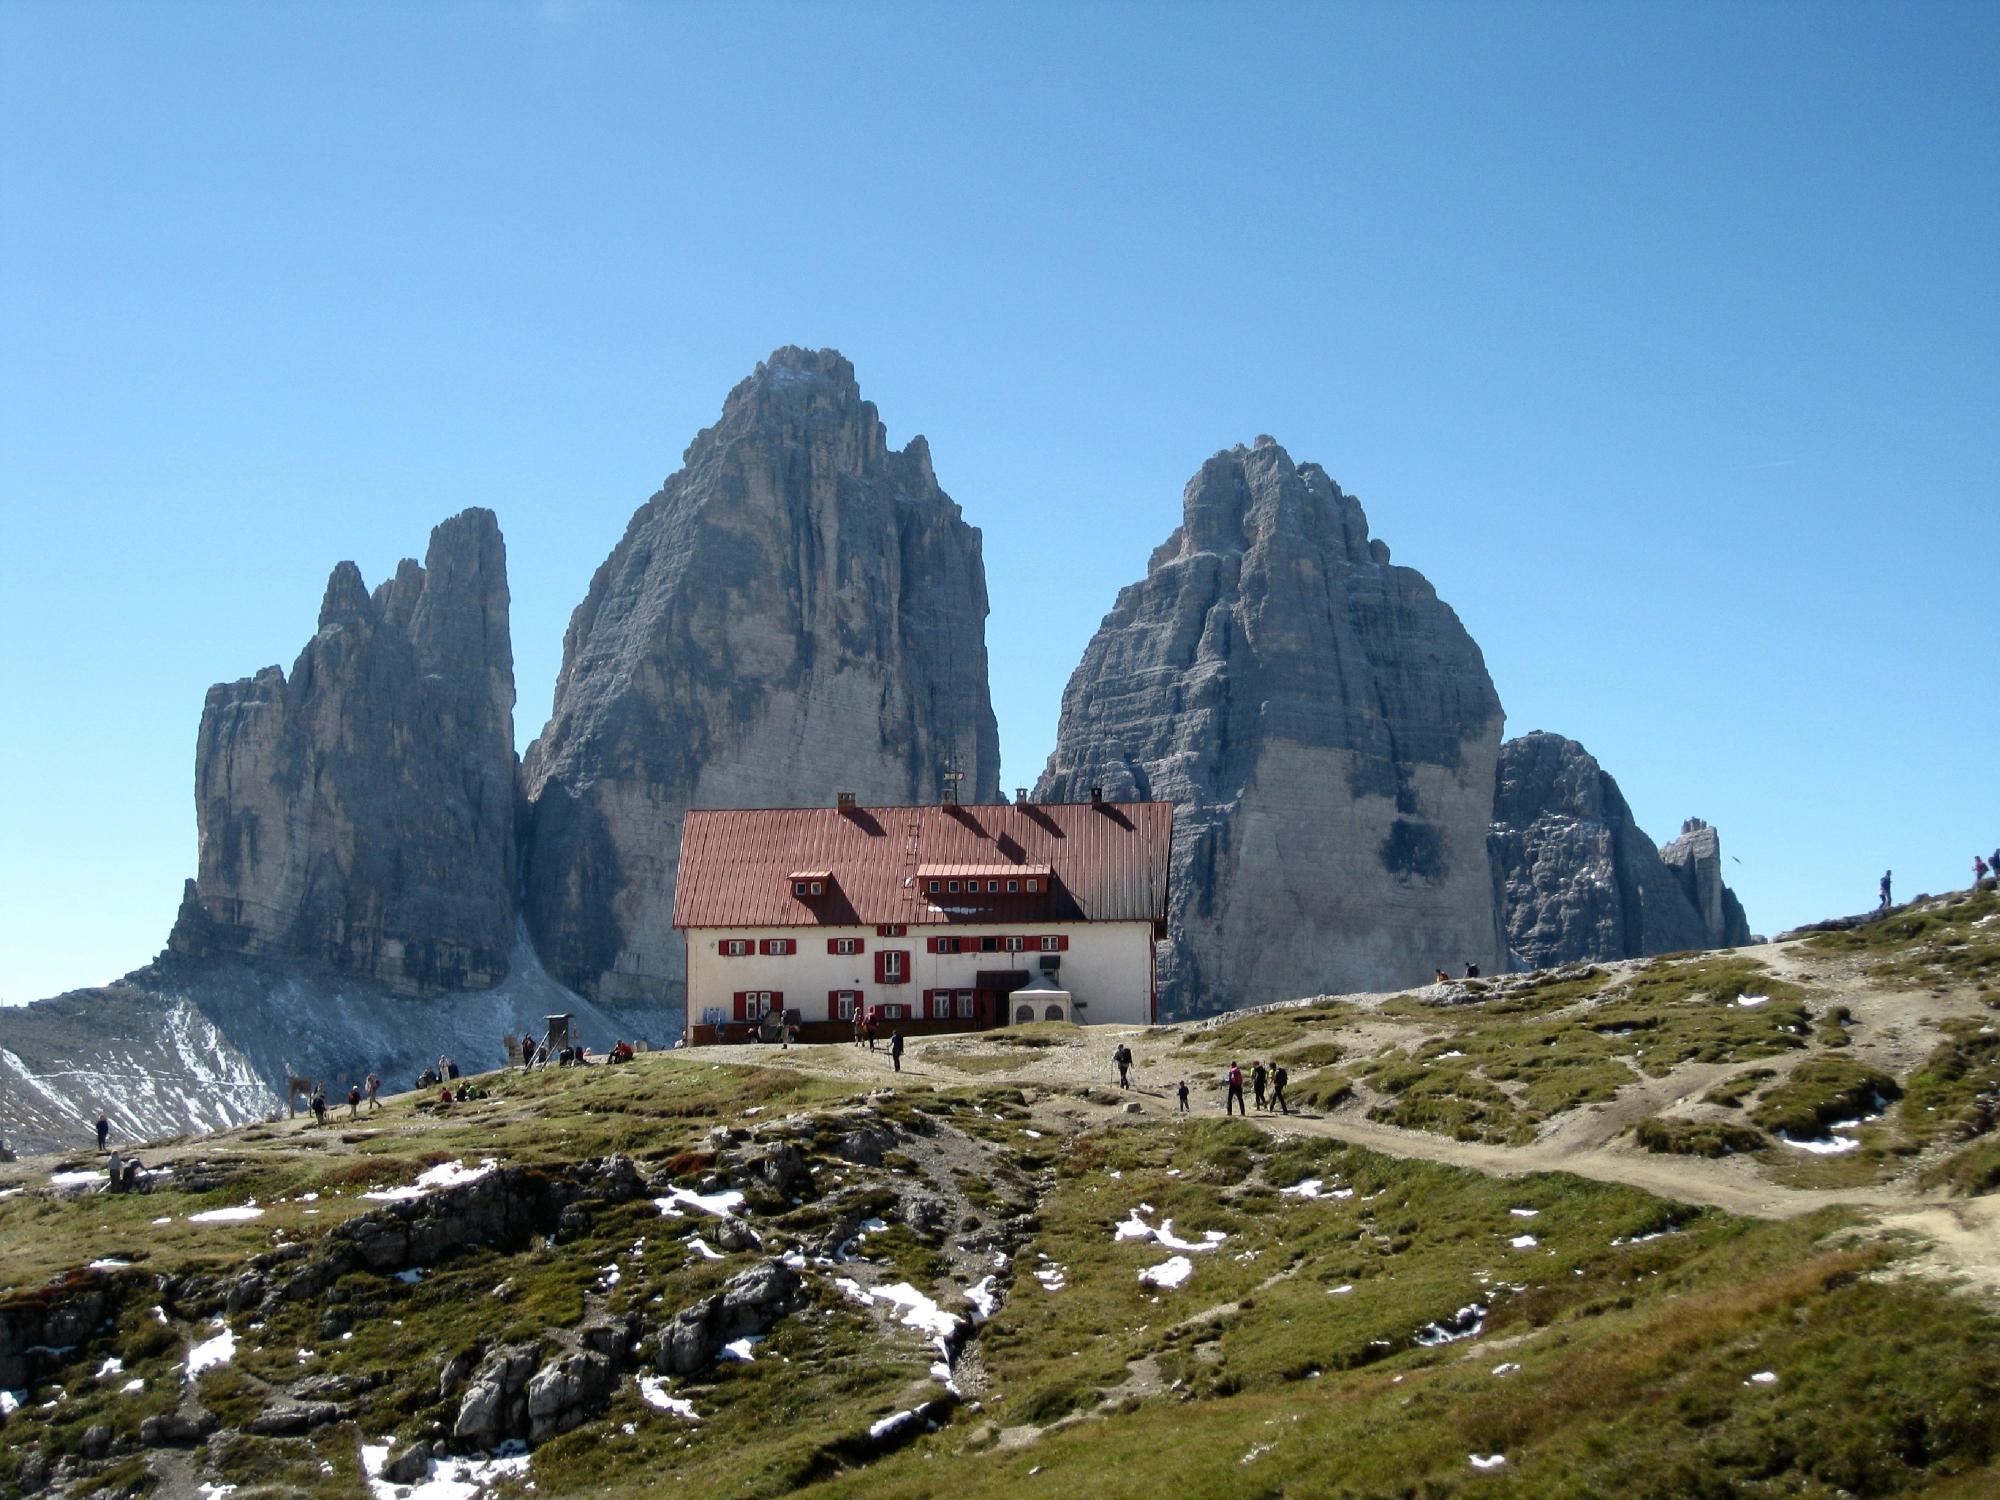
<point>1664,339</point>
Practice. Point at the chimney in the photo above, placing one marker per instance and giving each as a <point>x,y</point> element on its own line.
<point>1020,796</point>
<point>844,801</point>
<point>1097,796</point>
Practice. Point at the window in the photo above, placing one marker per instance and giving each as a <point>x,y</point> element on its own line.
<point>735,947</point>
<point>1013,887</point>
<point>845,946</point>
<point>936,886</point>
<point>1014,944</point>
<point>952,886</point>
<point>989,945</point>
<point>892,966</point>
<point>842,1004</point>
<point>993,887</point>
<point>1033,886</point>
<point>937,1003</point>
<point>750,1004</point>
<point>947,945</point>
<point>892,929</point>
<point>894,1012</point>
<point>1055,944</point>
<point>819,887</point>
<point>779,947</point>
<point>965,1007</point>
<point>798,887</point>
<point>713,1015</point>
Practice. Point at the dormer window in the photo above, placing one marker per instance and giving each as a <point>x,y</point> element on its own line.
<point>936,886</point>
<point>798,887</point>
<point>952,886</point>
<point>993,886</point>
<point>1033,886</point>
<point>1013,887</point>
<point>809,883</point>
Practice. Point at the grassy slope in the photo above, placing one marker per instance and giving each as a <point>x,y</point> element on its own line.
<point>1259,1376</point>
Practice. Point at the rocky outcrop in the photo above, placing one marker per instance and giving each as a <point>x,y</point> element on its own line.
<point>1574,876</point>
<point>1696,861</point>
<point>1325,728</point>
<point>800,610</point>
<point>360,813</point>
<point>746,1307</point>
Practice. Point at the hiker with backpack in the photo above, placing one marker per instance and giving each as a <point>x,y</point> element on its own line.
<point>1122,1056</point>
<point>1234,1101</point>
<point>1278,1076</point>
<point>1257,1082</point>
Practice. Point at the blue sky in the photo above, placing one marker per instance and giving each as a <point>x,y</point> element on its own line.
<point>1663,339</point>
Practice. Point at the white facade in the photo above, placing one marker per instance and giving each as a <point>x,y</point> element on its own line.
<point>1107,967</point>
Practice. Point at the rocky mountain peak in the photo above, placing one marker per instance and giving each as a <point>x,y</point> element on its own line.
<point>360,813</point>
<point>798,610</point>
<point>1323,724</point>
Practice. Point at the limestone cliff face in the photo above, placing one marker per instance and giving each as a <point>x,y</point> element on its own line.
<point>360,813</point>
<point>1696,861</point>
<point>1325,727</point>
<point>800,610</point>
<point>1574,875</point>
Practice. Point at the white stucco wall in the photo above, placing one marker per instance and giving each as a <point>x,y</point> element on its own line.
<point>1107,968</point>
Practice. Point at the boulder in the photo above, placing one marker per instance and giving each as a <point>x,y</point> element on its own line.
<point>561,1391</point>
<point>495,1403</point>
<point>1326,731</point>
<point>799,610</point>
<point>748,1304</point>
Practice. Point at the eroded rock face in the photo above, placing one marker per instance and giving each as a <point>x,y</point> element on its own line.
<point>360,813</point>
<point>1696,861</point>
<point>1574,875</point>
<point>1325,728</point>
<point>800,610</point>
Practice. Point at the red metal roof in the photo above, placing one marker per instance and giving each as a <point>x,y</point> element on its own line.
<point>1107,862</point>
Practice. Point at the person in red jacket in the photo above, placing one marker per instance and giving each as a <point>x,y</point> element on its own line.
<point>1235,1099</point>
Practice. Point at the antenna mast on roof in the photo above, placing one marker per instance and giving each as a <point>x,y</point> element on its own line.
<point>952,777</point>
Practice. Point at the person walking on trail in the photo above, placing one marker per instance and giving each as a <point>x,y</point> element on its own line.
<point>1278,1089</point>
<point>1886,876</point>
<point>319,1103</point>
<point>354,1101</point>
<point>1183,1094</point>
<point>103,1130</point>
<point>859,1024</point>
<point>869,1027</point>
<point>1257,1076</point>
<point>1122,1055</point>
<point>1234,1102</point>
<point>374,1089</point>
<point>896,1048</point>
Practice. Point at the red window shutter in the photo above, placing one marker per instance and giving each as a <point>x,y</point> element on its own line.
<point>881,965</point>
<point>1062,943</point>
<point>777,1001</point>
<point>742,999</point>
<point>833,945</point>
<point>930,945</point>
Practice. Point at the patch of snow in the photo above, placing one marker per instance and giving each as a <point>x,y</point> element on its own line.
<point>1447,1056</point>
<point>1033,1135</point>
<point>109,1264</point>
<point>1171,1272</point>
<point>14,1192</point>
<point>132,1387</point>
<point>1052,1277</point>
<point>411,1276</point>
<point>444,1479</point>
<point>1312,1187</point>
<point>112,1366</point>
<point>743,1348</point>
<point>1487,1460</point>
<point>700,1247</point>
<point>10,1402</point>
<point>209,1491</point>
<point>1763,1377</point>
<point>1136,1228</point>
<point>919,1311</point>
<point>1525,1213</point>
<point>1507,1369</point>
<point>74,1179</point>
<point>725,1202</point>
<point>984,1298</point>
<point>236,1215</point>
<point>1833,1147</point>
<point>162,1220</point>
<point>879,1430</point>
<point>1468,1322</point>
<point>1524,1242</point>
<point>1340,1291</point>
<point>219,1350</point>
<point>308,1197</point>
<point>653,1391</point>
<point>446,1174</point>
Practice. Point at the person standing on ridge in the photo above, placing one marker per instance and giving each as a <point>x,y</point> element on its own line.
<point>1886,875</point>
<point>896,1048</point>
<point>1257,1082</point>
<point>1234,1101</point>
<point>103,1130</point>
<point>1278,1076</point>
<point>1183,1094</point>
<point>374,1089</point>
